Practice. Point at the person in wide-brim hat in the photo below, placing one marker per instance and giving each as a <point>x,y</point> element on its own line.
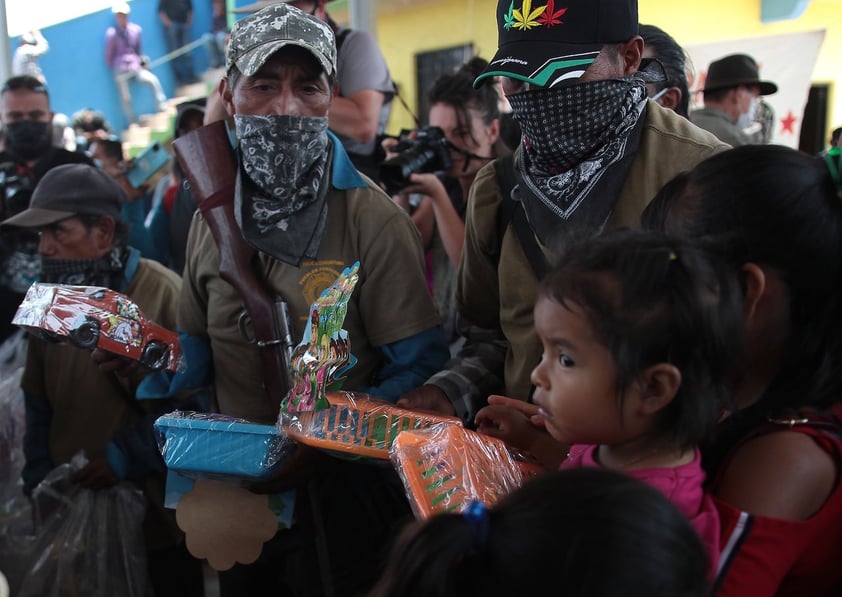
<point>735,70</point>
<point>731,92</point>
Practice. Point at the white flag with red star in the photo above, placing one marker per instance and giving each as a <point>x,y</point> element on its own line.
<point>787,60</point>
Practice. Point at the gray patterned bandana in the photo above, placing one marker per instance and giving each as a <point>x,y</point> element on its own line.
<point>279,201</point>
<point>578,143</point>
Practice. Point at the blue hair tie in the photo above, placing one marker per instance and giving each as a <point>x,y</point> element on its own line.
<point>476,515</point>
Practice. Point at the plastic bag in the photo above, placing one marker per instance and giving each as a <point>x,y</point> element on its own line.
<point>12,418</point>
<point>15,511</point>
<point>446,467</point>
<point>88,543</point>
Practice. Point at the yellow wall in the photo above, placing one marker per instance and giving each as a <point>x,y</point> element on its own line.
<point>404,29</point>
<point>431,26</point>
<point>713,20</point>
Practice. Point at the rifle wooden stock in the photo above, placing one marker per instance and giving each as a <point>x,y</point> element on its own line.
<point>210,165</point>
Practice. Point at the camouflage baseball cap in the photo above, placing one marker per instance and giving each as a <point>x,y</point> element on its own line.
<point>257,37</point>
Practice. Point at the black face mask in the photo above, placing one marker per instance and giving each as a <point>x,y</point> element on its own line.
<point>28,139</point>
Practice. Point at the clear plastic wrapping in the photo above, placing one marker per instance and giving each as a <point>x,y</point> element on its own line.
<point>357,424</point>
<point>87,543</point>
<point>16,538</point>
<point>322,358</point>
<point>94,317</point>
<point>204,445</point>
<point>445,467</point>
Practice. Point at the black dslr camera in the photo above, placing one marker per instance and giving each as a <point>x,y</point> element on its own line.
<point>427,152</point>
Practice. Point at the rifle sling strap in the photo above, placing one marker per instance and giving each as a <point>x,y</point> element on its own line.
<point>511,211</point>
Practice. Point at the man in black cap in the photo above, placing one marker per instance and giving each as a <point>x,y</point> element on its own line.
<point>71,403</point>
<point>594,152</point>
<point>731,93</point>
<point>27,155</point>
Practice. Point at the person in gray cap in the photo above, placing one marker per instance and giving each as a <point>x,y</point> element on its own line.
<point>72,402</point>
<point>301,204</point>
<point>593,153</point>
<point>732,90</point>
<point>360,110</point>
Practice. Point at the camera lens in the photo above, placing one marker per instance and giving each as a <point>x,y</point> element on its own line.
<point>427,152</point>
<point>394,173</point>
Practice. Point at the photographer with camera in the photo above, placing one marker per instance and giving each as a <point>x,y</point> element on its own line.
<point>28,155</point>
<point>440,162</point>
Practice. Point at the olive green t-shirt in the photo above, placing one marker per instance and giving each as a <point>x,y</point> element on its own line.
<point>390,301</point>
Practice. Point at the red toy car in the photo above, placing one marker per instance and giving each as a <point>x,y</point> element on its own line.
<point>93,317</point>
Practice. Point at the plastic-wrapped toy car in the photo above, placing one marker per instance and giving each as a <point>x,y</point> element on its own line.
<point>94,317</point>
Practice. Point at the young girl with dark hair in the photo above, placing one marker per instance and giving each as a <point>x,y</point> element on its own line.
<point>578,532</point>
<point>776,214</point>
<point>639,335</point>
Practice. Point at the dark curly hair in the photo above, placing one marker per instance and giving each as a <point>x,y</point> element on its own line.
<point>456,90</point>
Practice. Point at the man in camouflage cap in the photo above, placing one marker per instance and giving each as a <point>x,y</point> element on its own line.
<point>301,204</point>
<point>360,110</point>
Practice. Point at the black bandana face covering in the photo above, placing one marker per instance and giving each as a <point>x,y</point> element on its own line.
<point>104,271</point>
<point>578,143</point>
<point>564,125</point>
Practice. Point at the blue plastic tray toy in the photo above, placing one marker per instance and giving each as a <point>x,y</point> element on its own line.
<point>216,446</point>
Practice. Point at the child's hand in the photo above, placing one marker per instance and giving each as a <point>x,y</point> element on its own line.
<point>530,410</point>
<point>520,425</point>
<point>509,424</point>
